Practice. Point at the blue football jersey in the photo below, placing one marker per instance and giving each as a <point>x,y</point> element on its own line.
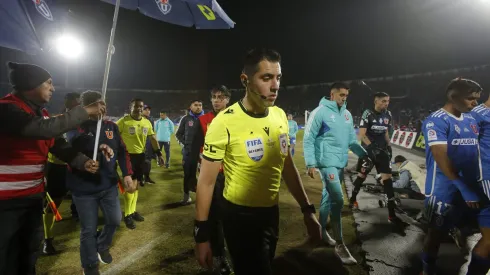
<point>461,136</point>
<point>481,113</point>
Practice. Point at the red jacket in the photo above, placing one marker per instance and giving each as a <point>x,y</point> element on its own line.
<point>205,120</point>
<point>22,160</point>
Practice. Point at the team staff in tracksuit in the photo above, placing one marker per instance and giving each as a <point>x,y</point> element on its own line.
<point>293,130</point>
<point>164,128</point>
<point>93,191</point>
<point>26,136</point>
<point>220,96</point>
<point>185,134</point>
<point>149,154</point>
<point>329,134</point>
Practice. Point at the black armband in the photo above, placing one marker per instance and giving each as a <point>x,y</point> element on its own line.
<point>201,231</point>
<point>158,153</point>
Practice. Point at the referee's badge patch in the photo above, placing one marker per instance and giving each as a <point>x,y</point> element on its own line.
<point>132,130</point>
<point>145,131</point>
<point>255,148</point>
<point>283,142</point>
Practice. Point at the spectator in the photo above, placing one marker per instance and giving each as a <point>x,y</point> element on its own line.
<point>412,177</point>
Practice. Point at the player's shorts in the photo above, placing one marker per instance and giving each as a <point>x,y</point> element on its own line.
<point>292,140</point>
<point>56,179</point>
<point>382,162</point>
<point>138,165</point>
<point>445,206</point>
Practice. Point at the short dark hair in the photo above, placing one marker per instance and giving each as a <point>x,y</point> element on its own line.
<point>196,100</point>
<point>380,95</point>
<point>339,85</point>
<point>89,97</point>
<point>72,96</point>
<point>163,112</point>
<point>221,88</point>
<point>134,100</point>
<point>400,158</point>
<point>462,87</point>
<point>253,58</point>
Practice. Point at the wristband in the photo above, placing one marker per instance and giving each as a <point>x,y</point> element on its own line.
<point>201,231</point>
<point>308,209</point>
<point>158,153</point>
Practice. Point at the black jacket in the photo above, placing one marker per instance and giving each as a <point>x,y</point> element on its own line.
<point>188,126</point>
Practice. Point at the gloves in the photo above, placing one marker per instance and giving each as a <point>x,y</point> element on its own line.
<point>468,194</point>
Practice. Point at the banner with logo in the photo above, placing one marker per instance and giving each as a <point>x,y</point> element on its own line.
<point>403,138</point>
<point>419,143</point>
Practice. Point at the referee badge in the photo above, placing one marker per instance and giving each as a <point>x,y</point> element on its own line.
<point>283,142</point>
<point>255,148</point>
<point>145,131</point>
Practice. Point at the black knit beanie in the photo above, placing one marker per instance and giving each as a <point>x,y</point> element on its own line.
<point>25,77</point>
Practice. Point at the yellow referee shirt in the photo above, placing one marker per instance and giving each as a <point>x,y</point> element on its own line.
<point>253,149</point>
<point>134,133</point>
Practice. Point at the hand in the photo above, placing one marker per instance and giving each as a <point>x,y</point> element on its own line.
<point>204,255</point>
<point>311,172</point>
<point>91,166</point>
<point>160,161</point>
<point>313,227</point>
<point>107,151</point>
<point>129,184</point>
<point>97,108</point>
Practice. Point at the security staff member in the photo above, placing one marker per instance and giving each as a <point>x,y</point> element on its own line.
<point>250,139</point>
<point>26,136</point>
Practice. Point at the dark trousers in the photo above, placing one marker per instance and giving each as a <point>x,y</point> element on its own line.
<point>88,210</point>
<point>190,170</point>
<point>166,147</point>
<point>21,234</point>
<point>217,238</point>
<point>251,234</point>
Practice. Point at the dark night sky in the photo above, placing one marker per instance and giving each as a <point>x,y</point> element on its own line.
<point>319,40</point>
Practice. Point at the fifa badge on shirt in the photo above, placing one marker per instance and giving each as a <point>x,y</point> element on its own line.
<point>255,148</point>
<point>145,131</point>
<point>132,130</point>
<point>283,141</point>
<point>431,135</point>
<point>456,128</point>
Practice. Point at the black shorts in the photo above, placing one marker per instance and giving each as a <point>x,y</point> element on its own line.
<point>138,165</point>
<point>382,162</point>
<point>56,180</point>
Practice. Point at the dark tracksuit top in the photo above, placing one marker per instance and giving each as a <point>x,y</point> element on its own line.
<point>84,183</point>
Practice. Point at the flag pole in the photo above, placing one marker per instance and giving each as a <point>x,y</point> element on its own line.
<point>110,52</point>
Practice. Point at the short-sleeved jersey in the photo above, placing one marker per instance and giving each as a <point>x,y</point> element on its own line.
<point>481,114</point>
<point>134,133</point>
<point>460,134</point>
<point>253,149</point>
<point>376,124</point>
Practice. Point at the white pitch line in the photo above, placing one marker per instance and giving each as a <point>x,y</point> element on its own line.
<point>136,256</point>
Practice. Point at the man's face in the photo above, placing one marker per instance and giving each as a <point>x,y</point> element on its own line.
<point>137,108</point>
<point>266,82</point>
<point>72,103</point>
<point>339,96</point>
<point>44,92</point>
<point>163,115</point>
<point>382,103</point>
<point>290,117</point>
<point>196,107</point>
<point>146,112</point>
<point>466,104</point>
<point>219,101</point>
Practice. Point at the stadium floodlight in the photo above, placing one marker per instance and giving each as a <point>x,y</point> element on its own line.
<point>69,46</point>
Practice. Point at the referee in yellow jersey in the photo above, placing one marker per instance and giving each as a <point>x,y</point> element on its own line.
<point>251,139</point>
<point>135,129</point>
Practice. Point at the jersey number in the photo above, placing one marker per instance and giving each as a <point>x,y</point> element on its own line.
<point>439,206</point>
<point>209,148</point>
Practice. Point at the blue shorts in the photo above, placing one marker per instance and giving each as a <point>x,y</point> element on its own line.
<point>444,205</point>
<point>292,140</point>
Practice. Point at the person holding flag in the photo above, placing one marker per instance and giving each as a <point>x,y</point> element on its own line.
<point>134,130</point>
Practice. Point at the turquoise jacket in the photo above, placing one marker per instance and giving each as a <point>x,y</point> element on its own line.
<point>329,134</point>
<point>164,128</point>
<point>293,128</point>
